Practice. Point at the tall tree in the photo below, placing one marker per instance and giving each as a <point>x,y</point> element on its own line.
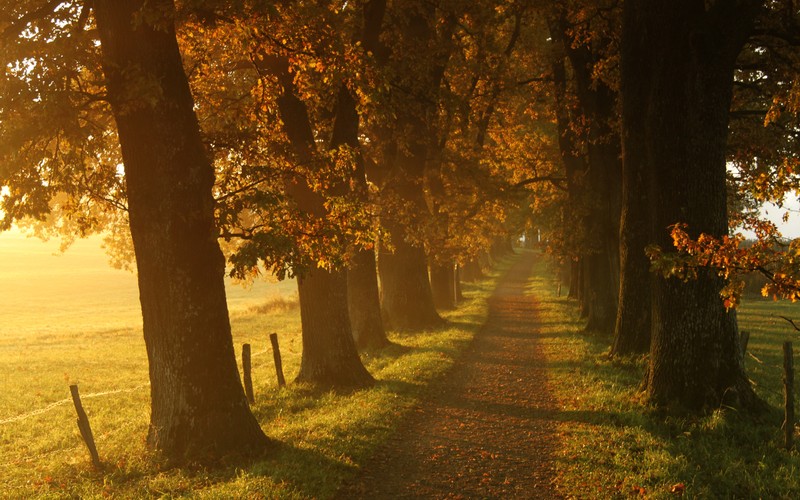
<point>363,293</point>
<point>198,405</point>
<point>586,37</point>
<point>405,287</point>
<point>329,354</point>
<point>677,69</point>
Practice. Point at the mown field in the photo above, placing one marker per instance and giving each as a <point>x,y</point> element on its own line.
<point>84,328</point>
<point>616,447</point>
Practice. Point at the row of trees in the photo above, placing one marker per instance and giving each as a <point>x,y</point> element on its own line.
<point>300,138</point>
<point>676,120</point>
<point>328,140</point>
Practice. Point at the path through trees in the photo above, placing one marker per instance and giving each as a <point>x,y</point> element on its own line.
<point>486,430</point>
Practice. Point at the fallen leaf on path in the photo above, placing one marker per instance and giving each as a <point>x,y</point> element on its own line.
<point>678,489</point>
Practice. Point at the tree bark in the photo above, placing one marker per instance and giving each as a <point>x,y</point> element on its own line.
<point>600,180</point>
<point>471,271</point>
<point>406,294</point>
<point>459,291</point>
<point>363,300</point>
<point>574,279</point>
<point>329,357</point>
<point>198,406</point>
<point>443,285</point>
<point>690,51</point>
<point>362,276</point>
<point>633,323</point>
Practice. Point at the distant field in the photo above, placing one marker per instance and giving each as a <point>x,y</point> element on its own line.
<point>70,317</point>
<point>43,291</point>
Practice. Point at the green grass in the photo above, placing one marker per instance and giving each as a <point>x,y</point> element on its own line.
<point>321,437</point>
<point>615,447</point>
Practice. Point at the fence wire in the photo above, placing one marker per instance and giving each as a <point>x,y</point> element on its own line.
<point>62,402</point>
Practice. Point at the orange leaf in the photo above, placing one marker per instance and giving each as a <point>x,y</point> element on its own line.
<point>678,489</point>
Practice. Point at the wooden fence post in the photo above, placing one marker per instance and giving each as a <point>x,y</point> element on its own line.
<point>84,427</point>
<point>248,379</point>
<point>455,285</point>
<point>788,394</point>
<point>276,353</point>
<point>744,338</point>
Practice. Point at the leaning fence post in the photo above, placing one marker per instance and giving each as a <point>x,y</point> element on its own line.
<point>84,427</point>
<point>276,353</point>
<point>455,285</point>
<point>248,379</point>
<point>788,394</point>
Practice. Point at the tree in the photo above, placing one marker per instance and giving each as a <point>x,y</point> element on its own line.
<point>362,279</point>
<point>584,35</point>
<point>677,64</point>
<point>329,357</point>
<point>405,287</point>
<point>198,407</point>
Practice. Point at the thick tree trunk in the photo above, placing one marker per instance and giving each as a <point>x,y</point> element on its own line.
<point>574,279</point>
<point>405,288</point>
<point>363,301</point>
<point>406,295</point>
<point>600,303</point>
<point>472,271</point>
<point>633,327</point>
<point>198,407</point>
<point>690,54</point>
<point>443,285</point>
<point>329,357</point>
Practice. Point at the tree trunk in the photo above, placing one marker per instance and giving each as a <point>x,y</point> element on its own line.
<point>198,407</point>
<point>599,186</point>
<point>406,294</point>
<point>689,54</point>
<point>459,291</point>
<point>472,271</point>
<point>633,327</point>
<point>329,357</point>
<point>443,283</point>
<point>574,279</point>
<point>600,303</point>
<point>363,301</point>
<point>405,289</point>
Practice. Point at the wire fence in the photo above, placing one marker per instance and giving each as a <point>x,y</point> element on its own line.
<point>62,402</point>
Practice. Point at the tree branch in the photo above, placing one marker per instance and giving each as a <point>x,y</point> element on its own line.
<point>18,26</point>
<point>791,322</point>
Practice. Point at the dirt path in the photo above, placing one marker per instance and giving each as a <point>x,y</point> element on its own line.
<point>484,432</point>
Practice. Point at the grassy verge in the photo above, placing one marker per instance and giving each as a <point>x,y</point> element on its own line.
<point>614,447</point>
<point>321,437</point>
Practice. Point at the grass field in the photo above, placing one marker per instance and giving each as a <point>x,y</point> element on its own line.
<point>93,337</point>
<point>614,447</point>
